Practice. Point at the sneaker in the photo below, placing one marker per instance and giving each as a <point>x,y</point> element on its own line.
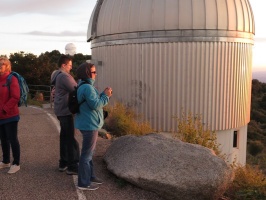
<point>62,169</point>
<point>13,169</point>
<point>4,165</point>
<point>90,187</point>
<point>97,181</point>
<point>71,172</point>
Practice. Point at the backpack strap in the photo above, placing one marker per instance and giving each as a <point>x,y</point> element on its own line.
<point>8,80</point>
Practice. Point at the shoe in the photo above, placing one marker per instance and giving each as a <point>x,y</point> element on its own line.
<point>97,181</point>
<point>90,187</point>
<point>4,165</point>
<point>71,172</point>
<point>13,169</point>
<point>62,169</point>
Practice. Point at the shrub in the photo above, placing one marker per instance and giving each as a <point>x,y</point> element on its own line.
<point>192,130</point>
<point>249,183</point>
<point>255,147</point>
<point>123,120</point>
<point>31,101</point>
<point>259,160</point>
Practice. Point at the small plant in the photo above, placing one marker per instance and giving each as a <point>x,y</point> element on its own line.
<point>192,130</point>
<point>249,183</point>
<point>255,147</point>
<point>123,120</point>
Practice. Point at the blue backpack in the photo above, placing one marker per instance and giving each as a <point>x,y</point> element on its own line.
<point>24,89</point>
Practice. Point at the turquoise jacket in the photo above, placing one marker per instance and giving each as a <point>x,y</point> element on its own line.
<point>90,116</point>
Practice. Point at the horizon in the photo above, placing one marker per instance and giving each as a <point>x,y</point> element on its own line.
<point>258,73</point>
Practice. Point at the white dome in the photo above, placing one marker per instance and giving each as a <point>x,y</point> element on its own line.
<point>70,49</point>
<point>112,17</point>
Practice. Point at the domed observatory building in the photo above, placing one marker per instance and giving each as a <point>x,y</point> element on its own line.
<point>70,49</point>
<point>168,57</point>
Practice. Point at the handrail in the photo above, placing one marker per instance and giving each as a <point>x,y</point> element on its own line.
<point>45,90</point>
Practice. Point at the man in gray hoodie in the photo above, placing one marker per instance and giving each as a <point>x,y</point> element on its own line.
<point>64,84</point>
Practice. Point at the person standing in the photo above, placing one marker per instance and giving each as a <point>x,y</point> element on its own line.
<point>89,120</point>
<point>69,147</point>
<point>9,117</point>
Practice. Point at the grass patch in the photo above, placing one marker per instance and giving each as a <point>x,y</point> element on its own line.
<point>123,120</point>
<point>192,130</point>
<point>249,183</point>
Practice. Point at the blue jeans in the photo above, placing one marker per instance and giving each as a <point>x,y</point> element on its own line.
<point>86,172</point>
<point>69,147</point>
<point>9,137</point>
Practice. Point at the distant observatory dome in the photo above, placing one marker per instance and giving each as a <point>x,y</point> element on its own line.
<point>70,49</point>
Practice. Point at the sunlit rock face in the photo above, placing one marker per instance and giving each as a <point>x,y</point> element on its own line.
<point>168,167</point>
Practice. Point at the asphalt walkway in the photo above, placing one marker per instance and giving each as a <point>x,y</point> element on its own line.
<point>39,178</point>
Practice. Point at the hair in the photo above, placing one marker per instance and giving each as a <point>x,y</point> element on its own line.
<point>84,70</point>
<point>6,62</point>
<point>64,59</point>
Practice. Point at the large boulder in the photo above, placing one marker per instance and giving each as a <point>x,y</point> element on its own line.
<point>169,167</point>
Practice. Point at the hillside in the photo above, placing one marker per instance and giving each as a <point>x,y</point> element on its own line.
<point>256,154</point>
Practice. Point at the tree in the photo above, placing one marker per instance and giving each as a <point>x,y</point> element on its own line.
<point>26,65</point>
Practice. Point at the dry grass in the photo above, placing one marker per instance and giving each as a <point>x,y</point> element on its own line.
<point>249,183</point>
<point>123,120</point>
<point>192,130</point>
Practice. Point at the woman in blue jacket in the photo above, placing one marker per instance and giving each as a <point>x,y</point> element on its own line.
<point>89,120</point>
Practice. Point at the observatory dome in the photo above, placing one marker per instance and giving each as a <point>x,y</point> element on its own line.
<point>176,57</point>
<point>70,49</point>
<point>233,18</point>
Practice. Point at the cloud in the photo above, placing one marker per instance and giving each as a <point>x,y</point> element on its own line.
<point>56,7</point>
<point>260,39</point>
<point>63,33</point>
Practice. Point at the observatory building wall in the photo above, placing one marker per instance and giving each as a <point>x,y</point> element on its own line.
<point>163,80</point>
<point>165,58</point>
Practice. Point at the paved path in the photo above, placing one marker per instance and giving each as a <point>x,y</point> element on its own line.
<point>39,178</point>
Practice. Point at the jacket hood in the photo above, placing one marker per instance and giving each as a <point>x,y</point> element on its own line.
<point>54,75</point>
<point>88,80</point>
<point>83,71</point>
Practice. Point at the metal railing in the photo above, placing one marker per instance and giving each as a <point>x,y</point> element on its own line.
<point>41,93</point>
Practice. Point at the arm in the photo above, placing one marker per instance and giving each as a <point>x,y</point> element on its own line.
<point>94,100</point>
<point>14,95</point>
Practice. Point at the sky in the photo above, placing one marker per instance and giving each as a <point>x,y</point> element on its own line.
<point>37,26</point>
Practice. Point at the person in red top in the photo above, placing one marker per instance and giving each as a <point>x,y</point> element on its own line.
<point>9,117</point>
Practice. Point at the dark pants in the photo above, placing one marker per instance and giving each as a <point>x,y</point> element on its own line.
<point>9,137</point>
<point>69,147</point>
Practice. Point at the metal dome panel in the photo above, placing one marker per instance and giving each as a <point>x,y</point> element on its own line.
<point>127,16</point>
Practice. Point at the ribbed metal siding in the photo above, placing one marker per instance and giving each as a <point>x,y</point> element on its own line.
<point>163,79</point>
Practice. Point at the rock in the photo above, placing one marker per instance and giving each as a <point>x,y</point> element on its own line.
<point>104,134</point>
<point>169,167</point>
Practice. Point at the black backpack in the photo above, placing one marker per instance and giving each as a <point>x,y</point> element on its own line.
<point>73,104</point>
